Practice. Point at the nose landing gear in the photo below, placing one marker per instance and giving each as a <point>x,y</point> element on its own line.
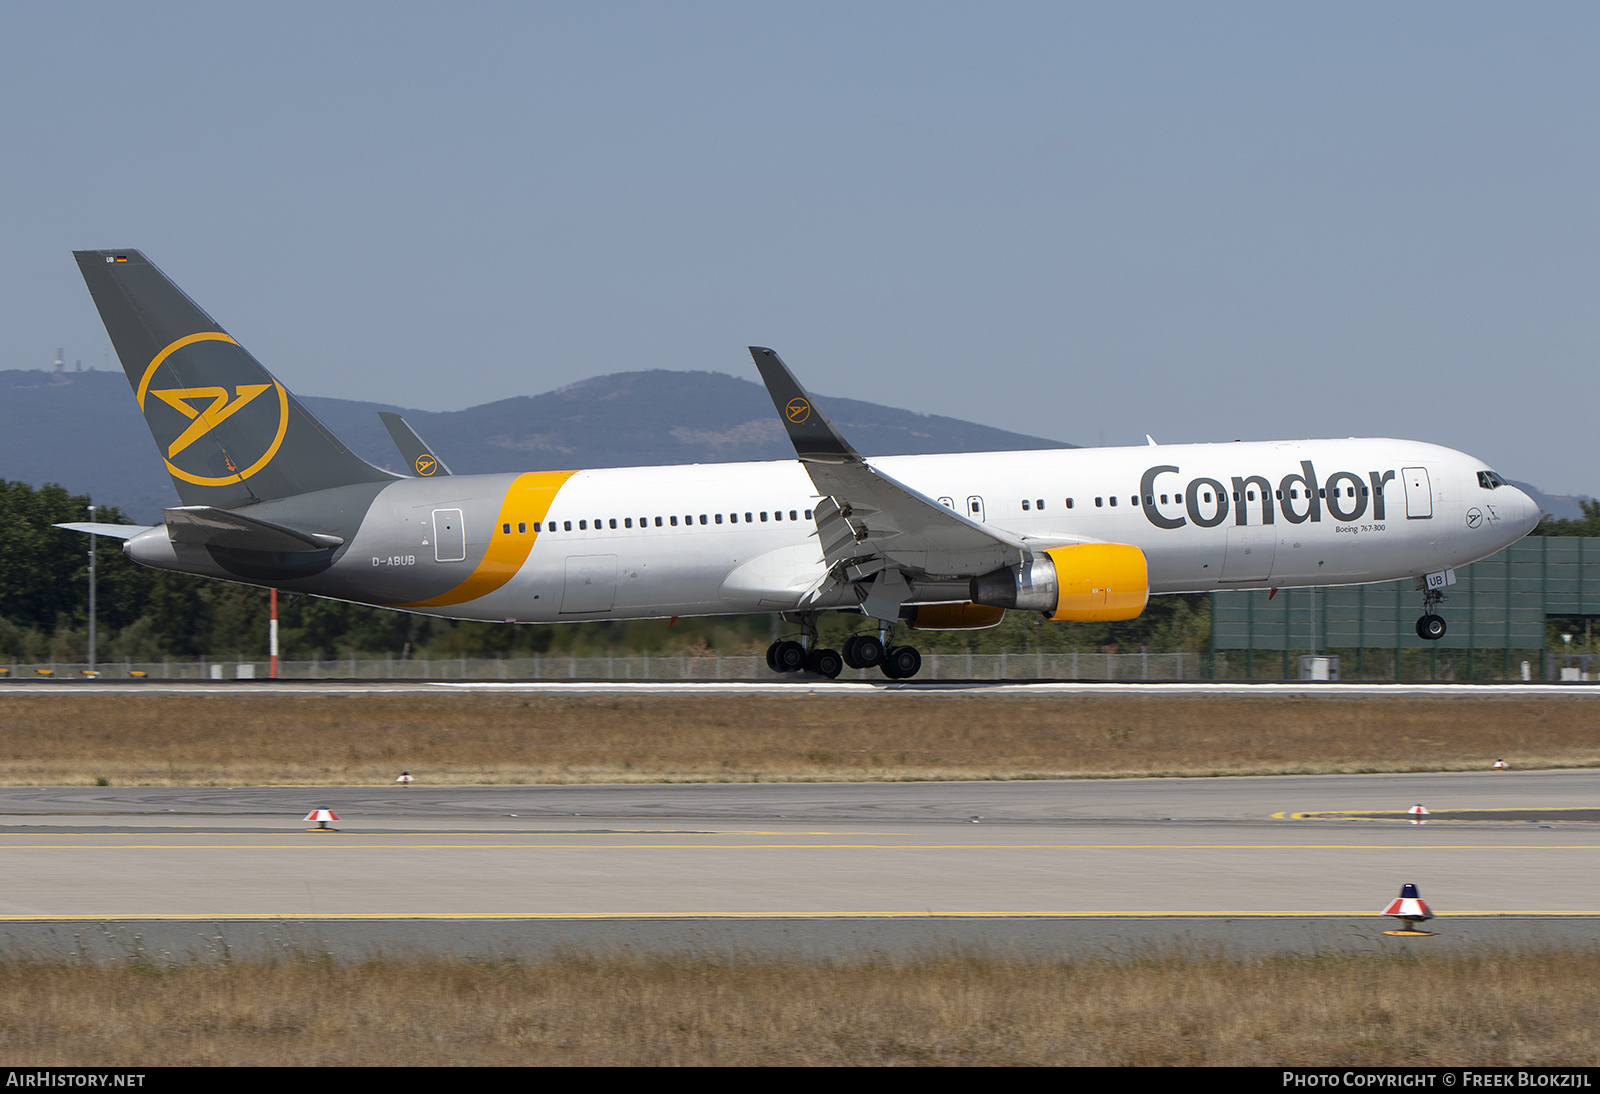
<point>1431,626</point>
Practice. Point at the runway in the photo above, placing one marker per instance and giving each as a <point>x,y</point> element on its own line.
<point>800,686</point>
<point>1242,862</point>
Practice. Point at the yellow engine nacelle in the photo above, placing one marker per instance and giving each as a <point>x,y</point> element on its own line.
<point>952,617</point>
<point>1084,583</point>
<point>1098,582</point>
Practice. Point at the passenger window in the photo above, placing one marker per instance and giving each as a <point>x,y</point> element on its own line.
<point>522,526</point>
<point>1113,499</point>
<point>1040,504</point>
<point>763,518</point>
<point>673,519</point>
<point>613,522</point>
<point>703,519</point>
<point>793,517</point>
<point>1024,505</point>
<point>719,518</point>
<point>505,529</point>
<point>733,518</point>
<point>1163,499</point>
<point>627,522</point>
<point>535,526</point>
<point>748,519</point>
<point>1069,503</point>
<point>808,514</point>
<point>1099,503</point>
<point>583,526</point>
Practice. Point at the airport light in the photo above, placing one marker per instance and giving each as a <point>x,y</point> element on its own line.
<point>91,593</point>
<point>272,634</point>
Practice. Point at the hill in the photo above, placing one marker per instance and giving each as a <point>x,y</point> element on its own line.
<point>83,430</point>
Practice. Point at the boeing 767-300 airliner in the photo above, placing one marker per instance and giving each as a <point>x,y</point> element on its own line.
<point>272,498</point>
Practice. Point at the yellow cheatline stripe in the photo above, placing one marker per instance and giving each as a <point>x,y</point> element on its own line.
<point>320,845</point>
<point>1364,913</point>
<point>527,501</point>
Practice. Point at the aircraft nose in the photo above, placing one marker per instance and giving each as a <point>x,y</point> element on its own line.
<point>1526,514</point>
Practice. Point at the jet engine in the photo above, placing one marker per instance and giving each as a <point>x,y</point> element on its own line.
<point>1083,583</point>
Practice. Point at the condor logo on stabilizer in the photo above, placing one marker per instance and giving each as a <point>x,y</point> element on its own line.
<point>219,433</point>
<point>1252,499</point>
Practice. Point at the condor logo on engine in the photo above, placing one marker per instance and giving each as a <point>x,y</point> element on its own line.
<point>1252,499</point>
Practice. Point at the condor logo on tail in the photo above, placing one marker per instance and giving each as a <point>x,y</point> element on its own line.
<point>246,430</point>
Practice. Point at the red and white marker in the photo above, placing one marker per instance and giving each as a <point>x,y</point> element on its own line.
<point>1500,765</point>
<point>322,816</point>
<point>1410,908</point>
<point>404,779</point>
<point>1417,813</point>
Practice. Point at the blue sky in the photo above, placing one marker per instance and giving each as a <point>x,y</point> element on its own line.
<point>1201,221</point>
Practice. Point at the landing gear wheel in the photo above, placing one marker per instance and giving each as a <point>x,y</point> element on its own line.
<point>825,663</point>
<point>863,651</point>
<point>789,657</point>
<point>901,662</point>
<point>1431,627</point>
<point>772,657</point>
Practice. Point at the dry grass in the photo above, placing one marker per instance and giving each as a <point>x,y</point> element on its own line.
<point>1479,1010</point>
<point>318,739</point>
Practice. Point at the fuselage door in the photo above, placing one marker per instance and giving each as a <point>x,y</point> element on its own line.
<point>975,508</point>
<point>1250,553</point>
<point>591,584</point>
<point>1419,493</point>
<point>449,536</point>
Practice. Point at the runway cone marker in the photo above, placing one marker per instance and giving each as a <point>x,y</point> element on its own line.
<point>1501,765</point>
<point>1417,813</point>
<point>322,815</point>
<point>1410,909</point>
<point>404,779</point>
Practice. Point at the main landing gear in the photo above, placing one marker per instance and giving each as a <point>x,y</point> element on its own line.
<point>1431,626</point>
<point>805,655</point>
<point>861,651</point>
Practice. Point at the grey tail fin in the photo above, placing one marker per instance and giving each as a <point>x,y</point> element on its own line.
<point>413,449</point>
<point>228,431</point>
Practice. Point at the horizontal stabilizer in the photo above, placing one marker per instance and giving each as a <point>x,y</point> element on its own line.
<point>206,526</point>
<point>116,531</point>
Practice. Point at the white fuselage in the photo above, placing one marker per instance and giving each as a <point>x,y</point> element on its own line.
<point>1339,512</point>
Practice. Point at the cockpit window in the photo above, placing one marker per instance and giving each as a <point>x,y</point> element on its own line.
<point>1490,480</point>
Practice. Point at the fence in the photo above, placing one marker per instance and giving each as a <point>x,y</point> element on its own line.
<point>1007,665</point>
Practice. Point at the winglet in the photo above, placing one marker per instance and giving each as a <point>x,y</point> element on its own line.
<point>813,435</point>
<point>418,456</point>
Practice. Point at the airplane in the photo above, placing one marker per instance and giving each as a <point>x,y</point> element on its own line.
<point>271,498</point>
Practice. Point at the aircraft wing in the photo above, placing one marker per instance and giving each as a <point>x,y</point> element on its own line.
<point>869,522</point>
